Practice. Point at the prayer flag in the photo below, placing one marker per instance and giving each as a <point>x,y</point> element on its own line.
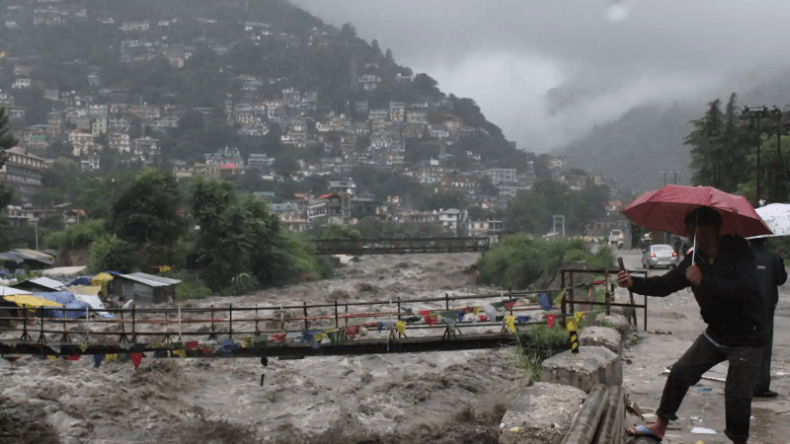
<point>137,358</point>
<point>511,323</point>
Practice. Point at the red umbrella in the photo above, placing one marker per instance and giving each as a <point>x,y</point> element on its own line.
<point>666,208</point>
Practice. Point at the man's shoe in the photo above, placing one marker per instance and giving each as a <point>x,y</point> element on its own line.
<point>766,394</point>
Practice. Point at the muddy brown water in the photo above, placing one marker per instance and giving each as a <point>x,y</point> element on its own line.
<point>436,397</point>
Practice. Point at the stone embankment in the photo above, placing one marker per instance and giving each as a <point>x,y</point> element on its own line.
<point>579,398</point>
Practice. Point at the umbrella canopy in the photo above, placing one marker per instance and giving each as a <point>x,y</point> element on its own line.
<point>666,208</point>
<point>777,217</point>
<point>29,301</point>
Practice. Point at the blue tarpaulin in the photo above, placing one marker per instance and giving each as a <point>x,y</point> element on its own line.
<point>80,281</point>
<point>10,256</point>
<point>68,300</point>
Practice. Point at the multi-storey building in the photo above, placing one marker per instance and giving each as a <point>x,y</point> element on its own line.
<point>23,172</point>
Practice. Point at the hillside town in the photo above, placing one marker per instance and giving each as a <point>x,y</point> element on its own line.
<point>104,117</point>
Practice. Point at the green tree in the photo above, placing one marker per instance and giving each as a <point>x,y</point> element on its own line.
<point>148,212</point>
<point>487,187</point>
<point>7,141</point>
<point>109,252</point>
<point>706,143</point>
<point>527,212</point>
<point>237,235</point>
<point>589,205</point>
<point>286,166</point>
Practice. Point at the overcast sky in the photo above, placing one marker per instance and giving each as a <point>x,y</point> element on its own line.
<point>506,54</point>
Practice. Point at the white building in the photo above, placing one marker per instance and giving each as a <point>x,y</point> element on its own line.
<point>21,84</point>
<point>454,220</point>
<point>499,175</point>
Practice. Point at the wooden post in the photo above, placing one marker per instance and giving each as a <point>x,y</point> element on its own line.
<point>167,327</point>
<point>123,337</point>
<point>41,338</point>
<point>399,308</point>
<point>337,320</point>
<point>346,318</point>
<point>230,320</point>
<point>447,302</point>
<point>571,293</point>
<point>134,331</point>
<point>25,336</point>
<point>612,421</point>
<point>306,322</point>
<point>583,430</point>
<point>645,322</point>
<point>212,335</point>
<point>564,309</point>
<point>257,328</point>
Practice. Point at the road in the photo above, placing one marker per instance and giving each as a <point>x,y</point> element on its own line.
<point>674,323</point>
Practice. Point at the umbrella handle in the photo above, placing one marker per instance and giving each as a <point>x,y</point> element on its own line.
<point>694,248</point>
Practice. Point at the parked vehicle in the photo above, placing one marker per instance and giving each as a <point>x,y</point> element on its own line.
<point>659,255</point>
<point>616,237</point>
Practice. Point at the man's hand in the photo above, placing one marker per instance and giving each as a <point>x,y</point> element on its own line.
<point>624,279</point>
<point>694,275</point>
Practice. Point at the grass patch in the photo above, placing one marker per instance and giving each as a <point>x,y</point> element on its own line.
<point>542,343</point>
<point>608,325</point>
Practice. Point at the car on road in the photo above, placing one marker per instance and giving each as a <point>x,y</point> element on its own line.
<point>659,255</point>
<point>617,237</point>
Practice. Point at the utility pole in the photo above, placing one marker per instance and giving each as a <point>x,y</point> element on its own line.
<point>665,176</point>
<point>780,196</point>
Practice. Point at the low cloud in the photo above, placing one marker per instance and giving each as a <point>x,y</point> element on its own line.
<point>507,55</point>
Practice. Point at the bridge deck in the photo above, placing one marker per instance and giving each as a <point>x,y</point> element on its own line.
<point>402,246</point>
<point>356,347</point>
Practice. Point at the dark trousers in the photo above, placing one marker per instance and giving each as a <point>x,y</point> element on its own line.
<point>738,390</point>
<point>765,363</point>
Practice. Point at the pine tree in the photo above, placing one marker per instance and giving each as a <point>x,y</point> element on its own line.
<point>706,142</point>
<point>734,154</point>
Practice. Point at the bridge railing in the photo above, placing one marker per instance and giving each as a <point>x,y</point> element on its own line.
<point>286,325</point>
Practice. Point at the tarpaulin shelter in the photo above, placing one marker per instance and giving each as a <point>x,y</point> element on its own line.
<point>40,284</point>
<point>144,288</point>
<point>68,300</point>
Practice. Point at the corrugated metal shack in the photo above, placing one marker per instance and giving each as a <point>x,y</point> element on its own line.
<point>144,288</point>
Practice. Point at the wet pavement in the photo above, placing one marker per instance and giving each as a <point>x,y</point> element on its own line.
<point>674,323</point>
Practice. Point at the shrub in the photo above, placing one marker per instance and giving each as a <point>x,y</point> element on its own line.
<point>520,261</point>
<point>108,252</point>
<point>77,235</point>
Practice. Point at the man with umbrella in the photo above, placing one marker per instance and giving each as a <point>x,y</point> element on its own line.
<point>771,273</point>
<point>721,272</point>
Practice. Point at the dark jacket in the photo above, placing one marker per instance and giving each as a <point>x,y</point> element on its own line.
<point>770,274</point>
<point>729,297</point>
